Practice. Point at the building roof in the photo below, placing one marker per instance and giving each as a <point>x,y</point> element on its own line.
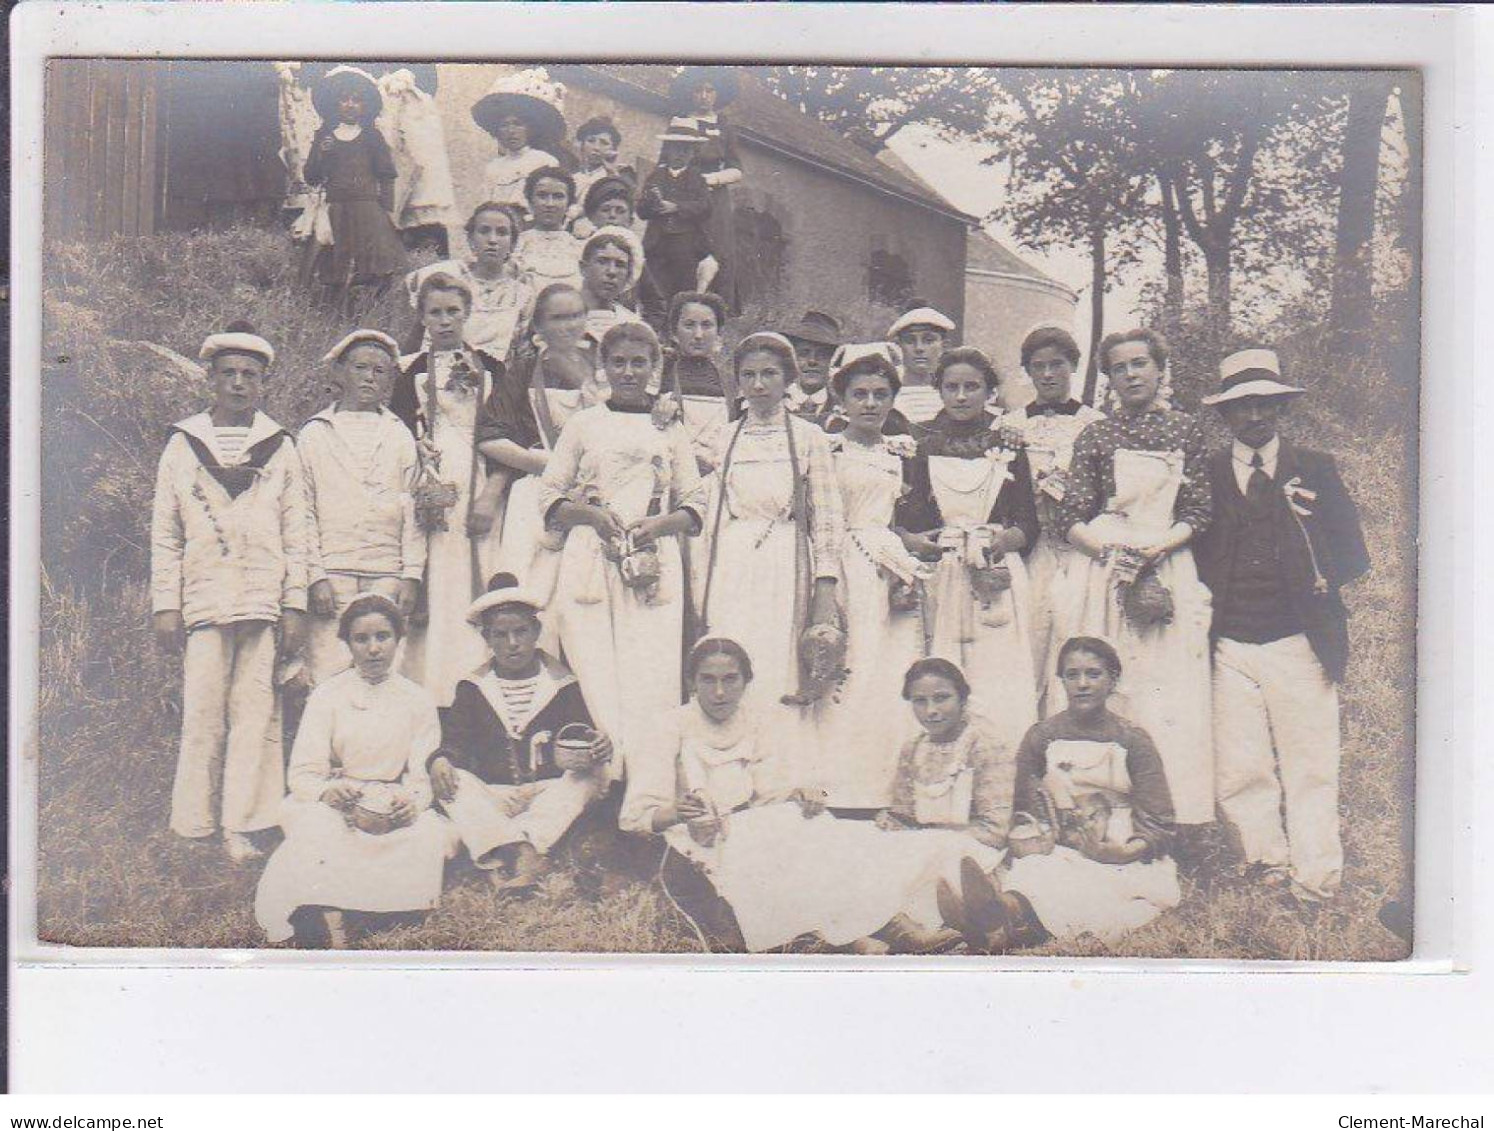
<point>763,119</point>
<point>983,253</point>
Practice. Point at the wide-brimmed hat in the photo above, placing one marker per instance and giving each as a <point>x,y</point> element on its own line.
<point>628,238</point>
<point>357,337</point>
<point>327,92</point>
<point>867,357</point>
<point>504,590</point>
<point>683,129</point>
<point>238,338</point>
<point>921,316</point>
<point>685,83</point>
<point>531,95</point>
<point>1250,373</point>
<point>606,189</point>
<point>816,326</point>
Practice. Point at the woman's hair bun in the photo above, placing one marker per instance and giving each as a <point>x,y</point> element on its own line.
<point>240,327</point>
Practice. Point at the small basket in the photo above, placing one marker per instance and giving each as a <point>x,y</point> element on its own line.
<point>989,582</point>
<point>903,596</point>
<point>434,499</point>
<point>372,813</point>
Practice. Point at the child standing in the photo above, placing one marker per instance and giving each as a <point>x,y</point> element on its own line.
<point>524,114</point>
<point>548,253</point>
<point>351,160</point>
<point>599,140</point>
<point>676,202</point>
<point>360,466</point>
<point>228,563</point>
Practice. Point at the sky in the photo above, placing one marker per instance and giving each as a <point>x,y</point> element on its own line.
<point>956,172</point>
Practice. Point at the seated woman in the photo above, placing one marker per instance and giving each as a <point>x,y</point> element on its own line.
<point>512,790</point>
<point>956,774</point>
<point>1093,830</point>
<point>360,834</point>
<point>724,790</point>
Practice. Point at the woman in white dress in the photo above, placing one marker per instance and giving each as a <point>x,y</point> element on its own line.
<point>723,789</point>
<point>446,395</point>
<point>1093,825</point>
<point>1137,495</point>
<point>360,833</point>
<point>501,301</point>
<point>971,501</point>
<point>1046,429</point>
<point>863,728</point>
<point>776,524</point>
<point>623,487</point>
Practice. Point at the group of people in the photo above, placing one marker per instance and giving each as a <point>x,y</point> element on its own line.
<point>869,654</point>
<point>543,198</point>
<point>890,675</point>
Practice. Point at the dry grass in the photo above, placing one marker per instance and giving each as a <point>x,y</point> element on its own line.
<point>110,874</point>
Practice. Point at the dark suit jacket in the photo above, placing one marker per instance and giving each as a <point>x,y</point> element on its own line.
<point>1327,545</point>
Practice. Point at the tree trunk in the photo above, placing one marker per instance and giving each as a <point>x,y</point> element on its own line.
<point>1216,259</point>
<point>1351,302</point>
<point>1172,256</point>
<point>1096,309</point>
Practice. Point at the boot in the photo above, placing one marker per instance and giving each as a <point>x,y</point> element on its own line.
<point>904,936</point>
<point>529,869</point>
<point>987,921</point>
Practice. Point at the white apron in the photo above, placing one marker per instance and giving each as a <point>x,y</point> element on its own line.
<point>866,726</point>
<point>1165,686</point>
<point>990,643</point>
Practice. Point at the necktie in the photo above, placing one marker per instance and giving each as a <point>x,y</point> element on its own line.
<point>1258,487</point>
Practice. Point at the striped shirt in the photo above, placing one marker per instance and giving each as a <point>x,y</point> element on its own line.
<point>516,702</point>
<point>229,443</point>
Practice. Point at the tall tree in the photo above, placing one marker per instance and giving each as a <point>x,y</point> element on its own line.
<point>1351,308</point>
<point>1075,174</point>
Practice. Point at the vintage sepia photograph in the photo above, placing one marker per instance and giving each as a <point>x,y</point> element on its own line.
<point>791,510</point>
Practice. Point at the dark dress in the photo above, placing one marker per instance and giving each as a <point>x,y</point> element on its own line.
<point>357,176</point>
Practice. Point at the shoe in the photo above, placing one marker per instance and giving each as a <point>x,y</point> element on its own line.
<point>950,906</point>
<point>904,936</point>
<point>870,946</point>
<point>1272,877</point>
<point>239,847</point>
<point>987,926</point>
<point>529,869</point>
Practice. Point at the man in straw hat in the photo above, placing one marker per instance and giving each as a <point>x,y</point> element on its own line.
<point>227,565</point>
<point>519,760</point>
<point>1284,538</point>
<point>360,465</point>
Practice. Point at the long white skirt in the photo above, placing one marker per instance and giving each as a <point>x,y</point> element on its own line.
<point>1074,895</point>
<point>997,659</point>
<point>786,876</point>
<point>865,727</point>
<point>624,648</point>
<point>752,600</point>
<point>324,863</point>
<point>1166,685</point>
<point>527,552</point>
<point>1046,565</point>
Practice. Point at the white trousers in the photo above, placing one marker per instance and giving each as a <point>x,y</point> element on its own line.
<point>491,816</point>
<point>1276,745</point>
<point>326,655</point>
<point>230,731</point>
